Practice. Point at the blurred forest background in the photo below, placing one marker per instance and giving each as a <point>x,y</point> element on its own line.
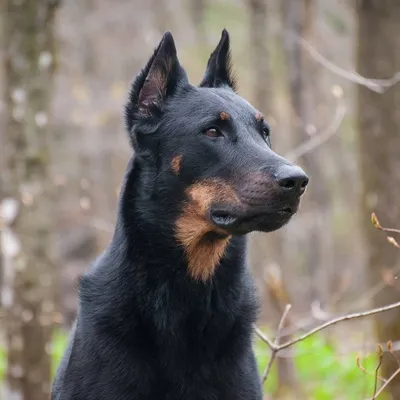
<point>324,72</point>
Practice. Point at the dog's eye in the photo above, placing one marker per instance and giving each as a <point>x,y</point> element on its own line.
<point>213,132</point>
<point>266,134</point>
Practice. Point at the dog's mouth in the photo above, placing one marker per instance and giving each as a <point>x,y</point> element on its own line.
<point>236,221</point>
<point>222,218</point>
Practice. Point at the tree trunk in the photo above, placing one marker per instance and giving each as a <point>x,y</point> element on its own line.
<point>299,22</point>
<point>259,51</point>
<point>29,65</point>
<point>267,247</point>
<point>197,10</point>
<point>378,56</point>
<point>161,14</point>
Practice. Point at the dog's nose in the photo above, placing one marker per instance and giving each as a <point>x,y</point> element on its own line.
<point>292,179</point>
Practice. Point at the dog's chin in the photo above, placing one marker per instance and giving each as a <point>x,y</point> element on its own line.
<point>237,224</point>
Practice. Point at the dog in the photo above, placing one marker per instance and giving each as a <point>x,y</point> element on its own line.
<point>167,311</point>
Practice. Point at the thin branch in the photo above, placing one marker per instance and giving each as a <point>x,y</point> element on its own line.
<point>264,338</point>
<point>391,230</point>
<point>320,138</point>
<point>376,85</point>
<point>325,325</point>
<point>377,225</point>
<point>383,387</point>
<point>337,320</point>
<point>362,368</point>
<point>269,366</point>
<point>282,323</point>
<point>380,354</point>
<point>275,349</point>
<point>393,242</point>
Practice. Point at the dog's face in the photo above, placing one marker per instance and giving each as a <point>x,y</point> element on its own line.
<point>211,149</point>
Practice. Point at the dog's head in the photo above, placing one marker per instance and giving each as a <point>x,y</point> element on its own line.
<point>210,149</point>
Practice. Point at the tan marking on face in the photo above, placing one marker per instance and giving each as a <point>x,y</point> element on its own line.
<point>224,116</point>
<point>203,242</point>
<point>176,164</point>
<point>259,116</point>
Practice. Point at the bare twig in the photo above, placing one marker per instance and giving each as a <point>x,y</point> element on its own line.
<point>320,138</point>
<point>383,387</point>
<point>269,366</point>
<point>380,355</point>
<point>362,368</point>
<point>377,225</point>
<point>274,350</point>
<point>275,347</point>
<point>334,321</point>
<point>264,337</point>
<point>393,241</point>
<point>282,323</point>
<point>376,85</point>
<point>340,319</point>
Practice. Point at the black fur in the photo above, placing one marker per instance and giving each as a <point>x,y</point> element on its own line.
<point>219,67</point>
<point>146,328</point>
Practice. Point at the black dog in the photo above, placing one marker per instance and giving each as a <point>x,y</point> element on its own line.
<point>167,311</point>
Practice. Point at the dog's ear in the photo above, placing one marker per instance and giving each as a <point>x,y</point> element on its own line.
<point>219,72</point>
<point>156,81</point>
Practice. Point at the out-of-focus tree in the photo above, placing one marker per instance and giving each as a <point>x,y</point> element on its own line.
<point>378,56</point>
<point>28,294</point>
<point>299,23</point>
<point>161,15</point>
<point>263,100</point>
<point>1,230</point>
<point>2,164</point>
<point>197,11</point>
<point>259,51</point>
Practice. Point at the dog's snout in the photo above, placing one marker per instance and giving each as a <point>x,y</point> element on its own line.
<point>292,179</point>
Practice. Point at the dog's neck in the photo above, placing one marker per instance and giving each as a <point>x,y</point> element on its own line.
<point>145,264</point>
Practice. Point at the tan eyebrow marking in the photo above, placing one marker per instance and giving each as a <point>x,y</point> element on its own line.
<point>224,116</point>
<point>259,117</point>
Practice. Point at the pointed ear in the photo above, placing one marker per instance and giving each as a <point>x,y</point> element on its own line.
<point>218,72</point>
<point>157,80</point>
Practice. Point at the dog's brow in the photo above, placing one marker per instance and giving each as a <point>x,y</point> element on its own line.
<point>259,117</point>
<point>224,116</point>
